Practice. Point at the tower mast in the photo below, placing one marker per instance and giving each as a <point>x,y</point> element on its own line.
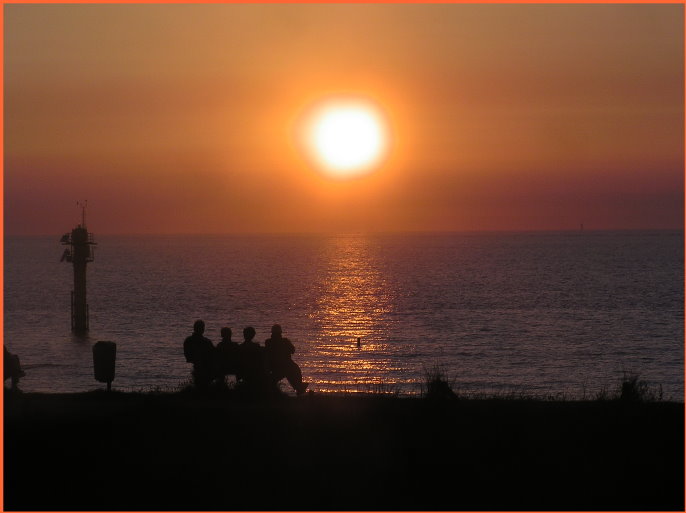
<point>79,253</point>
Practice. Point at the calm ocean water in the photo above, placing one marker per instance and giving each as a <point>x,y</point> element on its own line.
<point>538,313</point>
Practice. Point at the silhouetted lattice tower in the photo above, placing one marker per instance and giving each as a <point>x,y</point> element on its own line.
<point>79,252</point>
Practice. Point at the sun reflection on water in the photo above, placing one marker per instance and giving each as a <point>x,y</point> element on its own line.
<point>354,300</point>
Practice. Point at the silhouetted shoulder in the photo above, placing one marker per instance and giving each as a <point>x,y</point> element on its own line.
<point>197,347</point>
<point>227,346</point>
<point>289,345</point>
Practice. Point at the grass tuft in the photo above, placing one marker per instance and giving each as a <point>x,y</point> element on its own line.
<point>438,386</point>
<point>635,390</point>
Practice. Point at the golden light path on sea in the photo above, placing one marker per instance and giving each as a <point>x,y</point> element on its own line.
<point>354,302</point>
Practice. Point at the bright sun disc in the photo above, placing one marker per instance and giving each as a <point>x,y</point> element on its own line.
<point>346,138</point>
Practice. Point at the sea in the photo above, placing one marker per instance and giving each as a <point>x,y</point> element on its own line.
<point>542,314</point>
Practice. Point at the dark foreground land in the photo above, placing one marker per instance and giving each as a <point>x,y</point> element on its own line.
<point>176,451</point>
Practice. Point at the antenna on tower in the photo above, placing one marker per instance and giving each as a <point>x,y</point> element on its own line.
<point>83,204</point>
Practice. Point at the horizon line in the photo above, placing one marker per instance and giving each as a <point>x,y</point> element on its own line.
<point>361,232</point>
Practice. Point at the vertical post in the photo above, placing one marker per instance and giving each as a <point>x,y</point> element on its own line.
<point>104,356</point>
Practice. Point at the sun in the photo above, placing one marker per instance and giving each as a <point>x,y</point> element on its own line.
<point>346,138</point>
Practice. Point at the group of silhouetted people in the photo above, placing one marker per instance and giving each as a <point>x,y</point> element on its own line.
<point>255,367</point>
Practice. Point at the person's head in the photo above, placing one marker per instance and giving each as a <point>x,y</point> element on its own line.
<point>199,327</point>
<point>276,331</point>
<point>249,333</point>
<point>226,332</point>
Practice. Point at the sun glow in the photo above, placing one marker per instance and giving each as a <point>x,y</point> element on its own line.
<point>346,138</point>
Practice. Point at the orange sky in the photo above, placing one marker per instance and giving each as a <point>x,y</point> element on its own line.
<point>180,118</point>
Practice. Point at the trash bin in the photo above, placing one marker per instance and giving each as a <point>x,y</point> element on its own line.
<point>104,356</point>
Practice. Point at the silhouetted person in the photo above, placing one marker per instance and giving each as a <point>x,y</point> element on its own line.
<point>226,355</point>
<point>200,351</point>
<point>252,367</point>
<point>12,368</point>
<point>279,351</point>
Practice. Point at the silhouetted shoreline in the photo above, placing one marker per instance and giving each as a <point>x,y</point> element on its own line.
<point>177,451</point>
